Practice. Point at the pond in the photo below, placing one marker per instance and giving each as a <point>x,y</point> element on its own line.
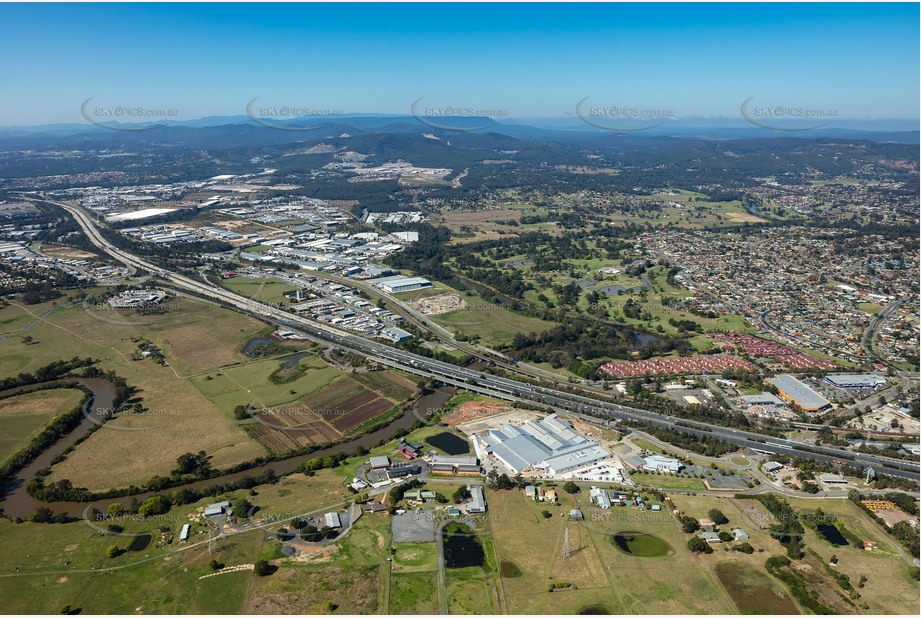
<point>449,443</point>
<point>140,542</point>
<point>641,544</point>
<point>593,610</point>
<point>832,535</point>
<point>461,547</point>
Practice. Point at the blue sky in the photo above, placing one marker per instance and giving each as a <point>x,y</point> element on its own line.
<point>529,59</point>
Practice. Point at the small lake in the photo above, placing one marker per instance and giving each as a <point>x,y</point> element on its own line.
<point>252,346</point>
<point>832,535</point>
<point>449,443</point>
<point>640,544</point>
<point>140,542</point>
<point>461,547</point>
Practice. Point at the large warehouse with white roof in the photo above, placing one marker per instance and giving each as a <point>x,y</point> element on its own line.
<point>548,445</point>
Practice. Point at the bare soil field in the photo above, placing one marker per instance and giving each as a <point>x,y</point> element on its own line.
<point>66,252</point>
<point>435,305</point>
<point>364,413</point>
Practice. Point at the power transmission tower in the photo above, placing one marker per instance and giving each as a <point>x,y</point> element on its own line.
<point>565,553</point>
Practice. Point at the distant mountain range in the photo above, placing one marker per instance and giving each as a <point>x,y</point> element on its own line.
<point>249,131</point>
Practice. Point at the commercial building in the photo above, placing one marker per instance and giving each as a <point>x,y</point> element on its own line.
<point>855,380</point>
<point>793,390</point>
<point>832,479</point>
<point>661,463</point>
<point>396,335</point>
<point>762,399</point>
<point>549,445</point>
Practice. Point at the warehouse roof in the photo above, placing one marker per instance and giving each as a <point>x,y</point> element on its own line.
<point>802,395</point>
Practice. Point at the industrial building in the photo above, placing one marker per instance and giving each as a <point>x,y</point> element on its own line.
<point>380,462</point>
<point>549,445</point>
<point>855,380</point>
<point>399,283</point>
<point>793,390</point>
<point>455,464</point>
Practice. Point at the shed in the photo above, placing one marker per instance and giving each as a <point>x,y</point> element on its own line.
<point>740,534</point>
<point>711,537</point>
<point>332,520</point>
<point>218,508</point>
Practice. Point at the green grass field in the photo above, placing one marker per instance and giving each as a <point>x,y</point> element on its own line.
<point>250,383</point>
<point>24,416</point>
<point>194,336</point>
<point>492,323</point>
<point>601,574</point>
<point>666,481</point>
<point>413,593</point>
<point>890,589</point>
<point>262,289</point>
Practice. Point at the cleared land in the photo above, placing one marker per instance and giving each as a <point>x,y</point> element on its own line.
<point>263,289</point>
<point>180,420</point>
<point>493,324</point>
<point>338,408</point>
<point>602,574</point>
<point>413,593</point>
<point>24,416</point>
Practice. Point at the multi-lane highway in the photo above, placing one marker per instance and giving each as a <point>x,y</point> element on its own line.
<point>471,379</point>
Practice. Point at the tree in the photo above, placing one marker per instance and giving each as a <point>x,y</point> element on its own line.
<point>698,546</point>
<point>725,537</point>
<point>689,524</point>
<point>155,505</point>
<point>262,568</point>
<point>115,509</point>
<point>546,514</point>
<point>718,517</point>
<point>460,494</point>
<point>745,548</point>
<point>113,551</point>
<point>571,488</point>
